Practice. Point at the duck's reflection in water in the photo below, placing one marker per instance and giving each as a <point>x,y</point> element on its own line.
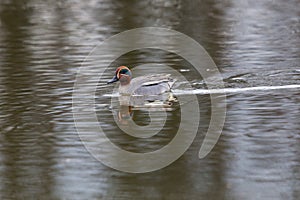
<point>125,114</point>
<point>139,117</point>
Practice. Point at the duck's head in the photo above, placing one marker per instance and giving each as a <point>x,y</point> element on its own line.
<point>122,74</point>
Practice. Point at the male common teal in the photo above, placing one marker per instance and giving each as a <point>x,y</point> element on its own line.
<point>148,85</point>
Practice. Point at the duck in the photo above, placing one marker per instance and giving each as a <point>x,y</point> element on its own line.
<point>147,85</point>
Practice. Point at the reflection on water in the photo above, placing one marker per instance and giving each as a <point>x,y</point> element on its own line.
<point>43,43</point>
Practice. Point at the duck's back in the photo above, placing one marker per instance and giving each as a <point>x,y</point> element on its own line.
<point>149,85</point>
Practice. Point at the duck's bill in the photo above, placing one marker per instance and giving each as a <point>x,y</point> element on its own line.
<point>114,79</point>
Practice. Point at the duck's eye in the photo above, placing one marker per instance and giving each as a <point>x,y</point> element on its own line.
<point>123,71</point>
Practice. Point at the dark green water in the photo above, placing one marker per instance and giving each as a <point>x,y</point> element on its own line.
<point>253,43</point>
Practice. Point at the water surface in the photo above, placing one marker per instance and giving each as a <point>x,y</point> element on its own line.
<point>43,44</point>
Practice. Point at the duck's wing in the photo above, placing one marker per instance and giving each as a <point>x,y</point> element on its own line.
<point>154,84</point>
<point>156,79</point>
